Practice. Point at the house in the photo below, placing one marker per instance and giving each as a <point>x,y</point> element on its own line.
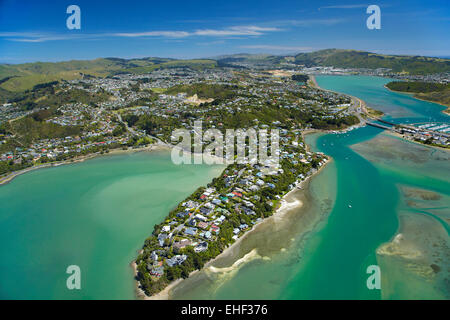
<point>154,256</point>
<point>182,244</point>
<point>202,225</point>
<point>190,204</point>
<point>219,220</point>
<point>205,210</point>
<point>201,247</point>
<point>176,260</point>
<point>182,214</point>
<point>236,230</point>
<point>157,271</point>
<point>248,211</point>
<point>190,231</point>
<point>259,182</point>
<point>200,217</point>
<point>162,237</point>
<point>207,235</point>
<point>209,205</point>
<point>215,229</point>
<point>165,229</point>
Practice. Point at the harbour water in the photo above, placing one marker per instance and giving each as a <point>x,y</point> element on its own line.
<point>381,201</point>
<point>355,207</point>
<point>95,215</point>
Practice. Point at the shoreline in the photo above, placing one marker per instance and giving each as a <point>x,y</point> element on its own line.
<point>362,103</point>
<point>11,176</point>
<point>413,94</point>
<point>400,136</point>
<point>284,207</point>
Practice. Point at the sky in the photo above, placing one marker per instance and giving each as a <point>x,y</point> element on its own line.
<point>33,30</point>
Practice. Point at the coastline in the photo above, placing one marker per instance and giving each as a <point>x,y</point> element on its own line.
<point>356,100</point>
<point>413,94</point>
<point>285,207</point>
<point>400,136</point>
<point>11,176</point>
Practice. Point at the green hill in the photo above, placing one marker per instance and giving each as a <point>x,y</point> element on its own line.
<point>360,59</point>
<point>434,92</point>
<point>22,77</point>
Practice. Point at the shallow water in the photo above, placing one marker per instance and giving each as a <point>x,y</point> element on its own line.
<point>95,214</point>
<point>358,201</point>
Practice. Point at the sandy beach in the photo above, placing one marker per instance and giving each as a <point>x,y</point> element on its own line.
<point>229,253</point>
<point>285,206</point>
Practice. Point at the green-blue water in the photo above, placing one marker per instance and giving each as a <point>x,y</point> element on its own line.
<point>95,214</point>
<point>363,188</point>
<point>346,245</point>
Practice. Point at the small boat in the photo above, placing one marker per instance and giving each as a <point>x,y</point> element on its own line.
<point>349,205</point>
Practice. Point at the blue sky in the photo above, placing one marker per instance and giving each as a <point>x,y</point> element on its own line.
<point>32,30</point>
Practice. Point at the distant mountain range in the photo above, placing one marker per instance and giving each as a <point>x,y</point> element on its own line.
<point>21,77</point>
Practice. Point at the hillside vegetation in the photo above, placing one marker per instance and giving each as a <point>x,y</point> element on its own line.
<point>417,86</point>
<point>204,90</point>
<point>21,77</point>
<point>434,92</point>
<point>359,59</point>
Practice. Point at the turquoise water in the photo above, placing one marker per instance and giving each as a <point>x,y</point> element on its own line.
<point>95,214</point>
<point>348,241</point>
<point>398,107</point>
<point>368,167</point>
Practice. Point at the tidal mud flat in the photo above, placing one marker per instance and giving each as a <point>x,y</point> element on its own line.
<point>415,263</point>
<point>269,242</point>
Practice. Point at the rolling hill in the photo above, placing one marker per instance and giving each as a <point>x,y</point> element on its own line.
<point>434,92</point>
<point>21,77</point>
<point>361,59</point>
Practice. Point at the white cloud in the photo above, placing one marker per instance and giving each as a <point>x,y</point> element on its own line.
<point>236,31</point>
<point>226,32</point>
<point>310,22</point>
<point>168,34</point>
